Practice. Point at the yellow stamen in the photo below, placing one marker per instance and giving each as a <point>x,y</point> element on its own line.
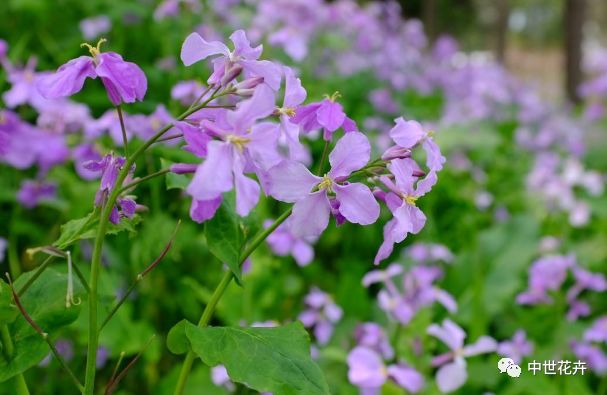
<point>410,200</point>
<point>288,111</point>
<point>239,141</point>
<point>326,183</point>
<point>94,50</point>
<point>336,95</point>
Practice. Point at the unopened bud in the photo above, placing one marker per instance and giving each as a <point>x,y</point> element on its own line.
<point>396,152</point>
<point>231,73</point>
<point>183,168</point>
<point>247,87</point>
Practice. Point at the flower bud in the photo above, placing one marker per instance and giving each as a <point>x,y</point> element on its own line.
<point>231,73</point>
<point>247,87</point>
<point>396,152</point>
<point>183,168</point>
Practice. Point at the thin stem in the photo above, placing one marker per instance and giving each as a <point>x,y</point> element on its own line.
<point>124,138</point>
<point>143,179</point>
<point>35,276</point>
<point>140,277</point>
<point>44,336</point>
<point>113,383</point>
<point>81,278</point>
<point>203,94</point>
<point>173,137</point>
<point>93,333</point>
<point>323,158</point>
<point>207,314</point>
<point>9,349</point>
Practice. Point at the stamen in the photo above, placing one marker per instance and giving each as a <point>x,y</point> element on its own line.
<point>326,183</point>
<point>69,296</point>
<point>94,51</point>
<point>239,141</point>
<point>410,200</point>
<point>288,111</point>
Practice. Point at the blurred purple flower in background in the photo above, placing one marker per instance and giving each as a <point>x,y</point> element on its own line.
<point>95,26</point>
<point>282,242</point>
<point>517,348</point>
<point>320,315</point>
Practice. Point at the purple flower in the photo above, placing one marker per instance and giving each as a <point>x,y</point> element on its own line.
<point>219,377</point>
<point>517,348</point>
<point>23,87</point>
<point>242,146</point>
<point>64,347</point>
<point>327,114</point>
<point>316,197</point>
<point>597,332</point>
<point>372,336</point>
<point>592,355</point>
<point>584,280</point>
<point>408,134</point>
<point>295,94</point>
<point>453,373</point>
<point>33,192</point>
<point>102,357</point>
<point>428,252</point>
<point>283,243</point>
<point>546,274</point>
<point>186,92</point>
<point>123,81</point>
<point>93,27</point>
<point>417,292</point>
<point>366,370</point>
<point>227,65</point>
<point>401,200</point>
<point>110,166</point>
<point>83,154</point>
<point>321,315</point>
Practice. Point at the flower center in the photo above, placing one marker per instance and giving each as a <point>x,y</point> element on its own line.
<point>326,183</point>
<point>409,199</point>
<point>288,111</point>
<point>238,141</point>
<point>95,51</point>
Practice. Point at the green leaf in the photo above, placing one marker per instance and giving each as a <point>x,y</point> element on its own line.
<point>273,360</point>
<point>44,301</point>
<point>86,228</point>
<point>177,342</point>
<point>225,238</point>
<point>8,312</point>
<point>74,230</point>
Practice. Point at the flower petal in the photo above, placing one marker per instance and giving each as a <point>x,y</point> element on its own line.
<point>124,81</point>
<point>310,215</point>
<point>196,48</point>
<point>483,345</point>
<point>68,79</point>
<point>357,203</point>
<point>407,133</point>
<point>214,175</point>
<point>202,210</point>
<point>451,376</point>
<point>351,153</point>
<point>290,181</point>
<point>331,115</point>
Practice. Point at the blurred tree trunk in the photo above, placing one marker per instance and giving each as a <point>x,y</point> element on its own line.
<point>574,16</point>
<point>429,16</point>
<point>503,13</point>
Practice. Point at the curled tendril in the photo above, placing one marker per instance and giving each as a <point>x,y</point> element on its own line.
<point>69,295</point>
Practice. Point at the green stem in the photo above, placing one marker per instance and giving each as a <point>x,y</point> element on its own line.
<point>93,333</point>
<point>143,179</point>
<point>9,349</point>
<point>207,314</point>
<point>125,140</point>
<point>323,158</point>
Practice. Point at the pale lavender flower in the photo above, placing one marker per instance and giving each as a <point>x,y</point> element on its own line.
<point>517,348</point>
<point>186,92</point>
<point>316,197</point>
<point>452,373</point>
<point>546,274</point>
<point>282,242</point>
<point>372,335</point>
<point>327,114</point>
<point>83,154</point>
<point>584,280</point>
<point>93,27</point>
<point>227,65</point>
<point>429,253</point>
<point>594,356</point>
<point>102,357</point>
<point>598,331</point>
<point>367,370</point>
<point>219,377</point>
<point>321,315</point>
<point>242,146</point>
<point>124,81</point>
<point>408,134</point>
<point>33,192</point>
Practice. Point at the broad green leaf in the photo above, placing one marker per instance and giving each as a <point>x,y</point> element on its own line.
<point>225,238</point>
<point>74,230</point>
<point>44,301</point>
<point>177,342</point>
<point>86,228</point>
<point>273,360</point>
<point>8,312</point>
